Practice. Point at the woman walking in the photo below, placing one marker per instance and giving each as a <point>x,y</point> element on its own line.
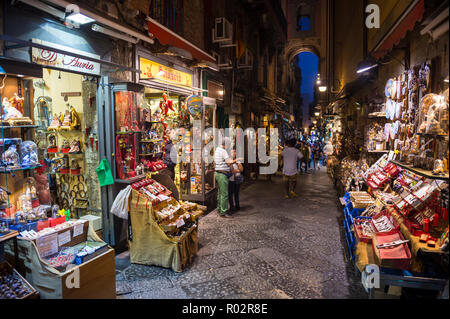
<point>234,183</point>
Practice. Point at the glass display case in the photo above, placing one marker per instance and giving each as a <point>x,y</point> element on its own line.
<point>195,174</point>
<point>127,127</point>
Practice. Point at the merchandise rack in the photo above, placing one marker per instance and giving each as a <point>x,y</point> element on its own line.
<point>421,172</point>
<point>388,276</point>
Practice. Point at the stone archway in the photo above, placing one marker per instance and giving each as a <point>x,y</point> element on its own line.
<point>294,47</point>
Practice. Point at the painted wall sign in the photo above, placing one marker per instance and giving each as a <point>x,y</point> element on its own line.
<point>62,61</point>
<point>156,71</point>
<point>194,104</point>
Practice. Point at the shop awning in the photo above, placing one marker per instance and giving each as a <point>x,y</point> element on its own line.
<point>405,23</point>
<point>19,67</point>
<point>167,37</point>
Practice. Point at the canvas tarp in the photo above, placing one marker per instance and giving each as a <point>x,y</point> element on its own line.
<point>150,245</point>
<point>43,277</point>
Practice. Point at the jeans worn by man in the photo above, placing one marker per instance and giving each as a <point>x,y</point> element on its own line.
<point>223,162</point>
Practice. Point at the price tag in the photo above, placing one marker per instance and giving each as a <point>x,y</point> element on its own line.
<point>48,245</point>
<point>77,230</point>
<point>64,238</point>
<point>180,222</point>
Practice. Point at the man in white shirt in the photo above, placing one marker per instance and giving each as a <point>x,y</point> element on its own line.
<point>290,157</point>
<point>223,163</point>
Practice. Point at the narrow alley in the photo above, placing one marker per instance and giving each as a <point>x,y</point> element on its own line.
<point>272,248</point>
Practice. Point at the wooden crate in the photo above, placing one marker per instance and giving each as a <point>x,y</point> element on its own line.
<point>33,293</point>
<point>97,279</point>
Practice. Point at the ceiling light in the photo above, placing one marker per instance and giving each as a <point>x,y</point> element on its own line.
<point>446,80</point>
<point>79,18</point>
<point>317,114</point>
<point>20,75</point>
<point>322,88</point>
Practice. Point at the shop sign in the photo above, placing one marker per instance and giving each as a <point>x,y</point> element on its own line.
<point>156,71</point>
<point>62,61</point>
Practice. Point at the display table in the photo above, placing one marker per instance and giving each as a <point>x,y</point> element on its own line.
<point>150,245</point>
<point>414,278</point>
<point>97,277</point>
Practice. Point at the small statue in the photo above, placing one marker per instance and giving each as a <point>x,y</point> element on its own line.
<point>55,124</point>
<point>30,188</point>
<point>11,157</point>
<point>67,121</point>
<point>9,111</point>
<point>17,102</point>
<point>75,119</point>
<point>29,153</point>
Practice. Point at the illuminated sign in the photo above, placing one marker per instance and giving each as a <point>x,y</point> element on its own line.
<point>156,71</point>
<point>63,61</point>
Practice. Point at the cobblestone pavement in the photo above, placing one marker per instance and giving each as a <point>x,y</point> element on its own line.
<point>272,248</point>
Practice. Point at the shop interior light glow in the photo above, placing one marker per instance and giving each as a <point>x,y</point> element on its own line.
<point>79,18</point>
<point>322,88</point>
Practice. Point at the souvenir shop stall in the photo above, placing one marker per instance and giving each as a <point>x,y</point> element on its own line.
<point>167,109</point>
<point>396,210</point>
<point>158,120</point>
<point>163,231</point>
<point>44,206</point>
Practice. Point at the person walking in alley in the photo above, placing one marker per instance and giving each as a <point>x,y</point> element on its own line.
<point>316,156</point>
<point>222,173</point>
<point>304,161</point>
<point>234,183</point>
<point>290,157</point>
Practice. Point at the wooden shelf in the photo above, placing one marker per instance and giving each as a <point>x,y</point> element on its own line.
<point>421,172</point>
<point>377,116</point>
<point>129,132</point>
<point>7,171</point>
<point>8,236</point>
<point>18,126</point>
<point>130,180</point>
<point>150,154</point>
<point>383,151</point>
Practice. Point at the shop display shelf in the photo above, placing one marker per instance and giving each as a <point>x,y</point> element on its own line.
<point>9,235</point>
<point>129,132</point>
<point>62,153</point>
<point>151,141</point>
<point>7,171</point>
<point>350,240</point>
<point>379,151</point>
<point>150,154</point>
<point>130,180</point>
<point>377,115</point>
<point>2,127</point>
<point>441,136</point>
<point>421,172</point>
<point>22,227</point>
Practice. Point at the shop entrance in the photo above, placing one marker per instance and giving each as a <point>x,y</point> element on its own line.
<point>66,111</point>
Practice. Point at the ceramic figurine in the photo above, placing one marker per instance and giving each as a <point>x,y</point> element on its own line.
<point>11,157</point>
<point>17,102</point>
<point>29,153</point>
<point>9,111</point>
<point>67,121</point>
<point>55,124</point>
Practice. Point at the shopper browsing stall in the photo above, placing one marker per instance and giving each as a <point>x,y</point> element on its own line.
<point>223,163</point>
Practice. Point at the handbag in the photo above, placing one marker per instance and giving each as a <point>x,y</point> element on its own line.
<point>238,179</point>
